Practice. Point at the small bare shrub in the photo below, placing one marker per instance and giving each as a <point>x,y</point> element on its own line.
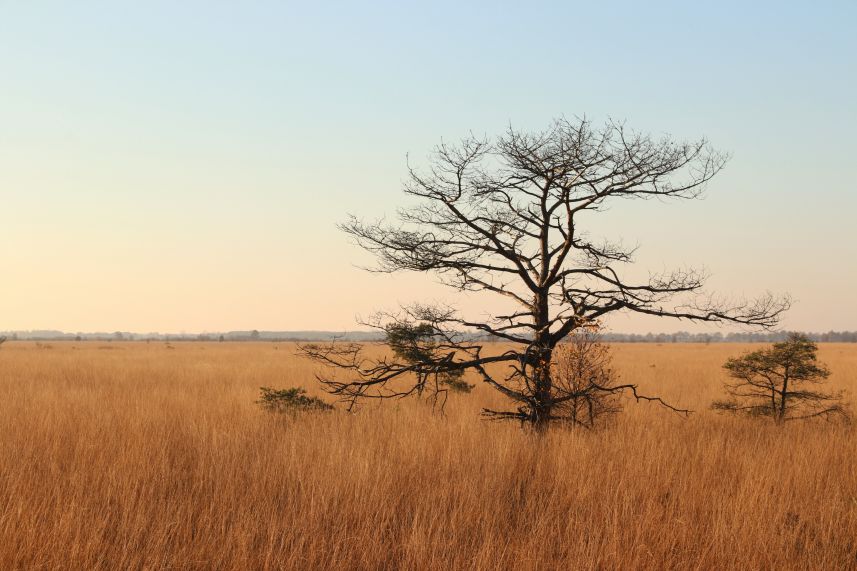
<point>584,379</point>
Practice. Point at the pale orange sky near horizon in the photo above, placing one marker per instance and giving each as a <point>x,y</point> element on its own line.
<point>161,177</point>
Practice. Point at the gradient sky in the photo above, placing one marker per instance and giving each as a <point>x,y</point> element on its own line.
<point>181,166</point>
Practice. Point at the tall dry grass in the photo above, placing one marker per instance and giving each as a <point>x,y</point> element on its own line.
<point>136,456</point>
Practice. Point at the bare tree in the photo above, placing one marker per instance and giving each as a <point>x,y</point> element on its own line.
<point>780,383</point>
<point>506,217</point>
<point>2,339</point>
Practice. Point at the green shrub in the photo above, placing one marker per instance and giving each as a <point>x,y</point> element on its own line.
<point>290,400</point>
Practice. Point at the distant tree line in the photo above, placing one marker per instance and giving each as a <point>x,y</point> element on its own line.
<point>369,336</point>
<point>718,337</point>
<point>254,335</point>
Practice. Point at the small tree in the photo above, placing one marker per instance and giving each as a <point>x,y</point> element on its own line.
<point>780,383</point>
<point>2,339</point>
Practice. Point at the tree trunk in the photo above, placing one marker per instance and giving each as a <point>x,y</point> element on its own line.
<point>541,366</point>
<point>543,388</point>
<point>782,412</point>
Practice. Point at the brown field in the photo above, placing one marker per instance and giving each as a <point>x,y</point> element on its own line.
<point>136,456</point>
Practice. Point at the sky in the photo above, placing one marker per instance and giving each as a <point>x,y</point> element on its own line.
<point>182,166</point>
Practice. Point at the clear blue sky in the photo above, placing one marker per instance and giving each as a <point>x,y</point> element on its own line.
<point>182,165</point>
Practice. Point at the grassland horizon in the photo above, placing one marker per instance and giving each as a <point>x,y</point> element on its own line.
<point>138,456</point>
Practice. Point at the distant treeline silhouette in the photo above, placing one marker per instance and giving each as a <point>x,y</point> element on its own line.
<point>733,337</point>
<point>369,336</point>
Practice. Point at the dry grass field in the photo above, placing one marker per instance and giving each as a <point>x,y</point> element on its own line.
<point>138,456</point>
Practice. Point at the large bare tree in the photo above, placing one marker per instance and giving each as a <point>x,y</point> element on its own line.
<point>506,217</point>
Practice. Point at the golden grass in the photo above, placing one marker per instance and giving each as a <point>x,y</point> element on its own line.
<point>136,456</point>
